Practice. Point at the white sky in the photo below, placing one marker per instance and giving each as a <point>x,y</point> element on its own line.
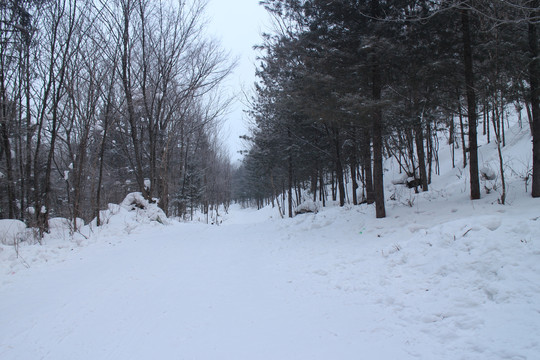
<point>238,24</point>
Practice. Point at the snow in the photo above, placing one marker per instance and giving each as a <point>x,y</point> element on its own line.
<point>58,222</point>
<point>11,231</point>
<point>145,210</point>
<point>400,180</point>
<point>441,277</point>
<point>487,173</point>
<point>307,207</point>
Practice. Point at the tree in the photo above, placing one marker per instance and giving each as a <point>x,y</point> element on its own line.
<point>97,96</point>
<point>471,103</point>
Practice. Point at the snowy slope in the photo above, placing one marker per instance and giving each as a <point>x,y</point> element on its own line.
<point>445,278</point>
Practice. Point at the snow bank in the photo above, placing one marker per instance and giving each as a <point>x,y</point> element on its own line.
<point>117,221</point>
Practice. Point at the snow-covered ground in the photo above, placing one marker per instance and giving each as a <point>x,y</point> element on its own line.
<point>441,277</point>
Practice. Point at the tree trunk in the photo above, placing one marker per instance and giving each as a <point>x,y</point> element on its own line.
<point>529,116</point>
<point>501,163</point>
<point>485,122</point>
<point>290,179</point>
<point>333,186</point>
<point>431,152</point>
<point>322,193</point>
<point>106,123</point>
<point>313,186</point>
<point>378,184</point>
<point>354,183</point>
<point>339,168</point>
<point>290,185</point>
<point>451,141</point>
<point>101,163</point>
<point>502,123</point>
<point>29,134</point>
<point>126,82</point>
<point>471,105</point>
<point>366,157</point>
<point>463,145</point>
<point>419,140</point>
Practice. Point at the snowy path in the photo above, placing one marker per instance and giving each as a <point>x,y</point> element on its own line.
<point>323,286</point>
<point>190,292</point>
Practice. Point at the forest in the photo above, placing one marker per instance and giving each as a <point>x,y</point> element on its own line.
<point>386,206</point>
<point>103,98</point>
<point>344,85</point>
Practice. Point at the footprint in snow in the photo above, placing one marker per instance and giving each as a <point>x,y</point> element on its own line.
<point>320,272</point>
<point>492,224</point>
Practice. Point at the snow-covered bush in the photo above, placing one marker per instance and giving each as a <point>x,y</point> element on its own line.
<point>12,231</point>
<point>307,206</point>
<point>487,173</point>
<point>145,210</point>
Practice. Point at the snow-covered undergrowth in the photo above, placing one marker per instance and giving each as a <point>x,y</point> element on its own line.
<point>19,248</point>
<point>441,277</point>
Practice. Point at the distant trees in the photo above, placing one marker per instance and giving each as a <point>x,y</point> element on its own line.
<point>102,98</point>
<point>343,84</point>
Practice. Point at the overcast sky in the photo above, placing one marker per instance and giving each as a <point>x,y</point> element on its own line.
<point>238,25</point>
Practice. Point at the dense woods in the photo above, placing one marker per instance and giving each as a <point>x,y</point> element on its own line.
<point>102,98</point>
<point>344,84</point>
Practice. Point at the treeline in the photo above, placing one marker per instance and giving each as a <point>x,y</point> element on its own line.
<point>342,84</point>
<point>102,98</point>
